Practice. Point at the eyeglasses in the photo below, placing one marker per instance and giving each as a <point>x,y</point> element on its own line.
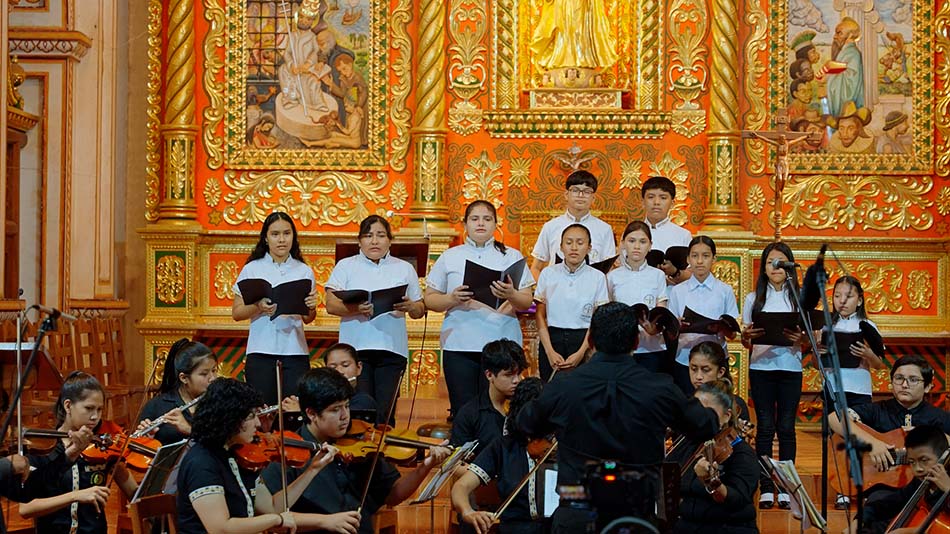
<point>909,380</point>
<point>581,192</point>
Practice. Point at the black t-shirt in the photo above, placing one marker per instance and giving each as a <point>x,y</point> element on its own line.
<point>740,474</point>
<point>159,406</point>
<point>77,476</point>
<point>506,461</point>
<point>889,414</point>
<point>477,419</point>
<point>338,487</point>
<point>205,472</point>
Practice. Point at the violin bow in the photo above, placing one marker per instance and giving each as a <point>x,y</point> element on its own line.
<point>496,517</point>
<point>280,433</point>
<point>415,386</point>
<point>379,446</point>
<point>125,444</point>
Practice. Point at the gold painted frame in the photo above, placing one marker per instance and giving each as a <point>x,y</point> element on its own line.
<point>238,155</point>
<point>922,114</point>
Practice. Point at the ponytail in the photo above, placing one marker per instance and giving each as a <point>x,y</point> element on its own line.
<point>720,390</point>
<point>76,387</point>
<point>494,213</point>
<point>183,357</point>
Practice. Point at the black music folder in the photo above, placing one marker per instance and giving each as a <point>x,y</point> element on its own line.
<point>383,300</point>
<point>289,296</point>
<point>677,255</point>
<point>700,324</point>
<point>775,322</point>
<point>479,278</point>
<point>868,334</point>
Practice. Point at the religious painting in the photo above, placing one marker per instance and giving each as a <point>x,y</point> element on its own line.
<point>855,75</point>
<point>307,88</point>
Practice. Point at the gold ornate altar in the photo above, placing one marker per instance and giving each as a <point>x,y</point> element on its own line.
<point>441,102</point>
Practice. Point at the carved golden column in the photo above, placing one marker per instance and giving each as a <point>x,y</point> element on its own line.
<point>179,130</point>
<point>430,127</point>
<point>723,212</point>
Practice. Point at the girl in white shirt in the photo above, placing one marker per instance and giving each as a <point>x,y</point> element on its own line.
<point>775,371</point>
<point>382,343</point>
<point>635,282</point>
<point>567,295</point>
<point>849,313</point>
<point>276,258</point>
<point>469,325</point>
<point>705,295</point>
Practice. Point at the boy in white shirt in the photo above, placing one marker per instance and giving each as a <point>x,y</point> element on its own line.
<point>579,196</point>
<point>658,193</point>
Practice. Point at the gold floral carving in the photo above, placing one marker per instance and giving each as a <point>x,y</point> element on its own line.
<point>398,195</point>
<point>520,172</point>
<point>675,170</point>
<point>225,273</point>
<point>755,199</point>
<point>177,170</point>
<point>326,198</point>
<point>723,175</point>
<point>170,279</point>
<point>570,124</point>
<point>920,289</point>
<point>213,85</point>
<point>212,192</point>
<point>429,170</point>
<point>161,356</point>
<point>630,173</point>
<point>881,284</point>
<point>399,114</point>
<point>153,146</point>
<point>468,24</point>
<point>727,272</point>
<point>943,201</point>
<point>322,268</point>
<point>941,37</point>
<point>424,368</point>
<point>755,70</point>
<point>871,202</point>
<point>482,180</point>
<point>687,73</point>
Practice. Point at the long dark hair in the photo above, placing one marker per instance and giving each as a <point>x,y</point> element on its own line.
<point>183,357</point>
<point>222,410</point>
<point>77,386</point>
<point>261,247</point>
<point>713,352</point>
<point>762,283</point>
<point>494,213</point>
<point>367,224</point>
<point>856,284</point>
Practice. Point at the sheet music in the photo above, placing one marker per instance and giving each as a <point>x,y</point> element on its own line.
<point>551,498</point>
<point>445,472</point>
<point>786,477</point>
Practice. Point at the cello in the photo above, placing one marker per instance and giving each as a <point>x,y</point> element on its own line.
<point>917,514</point>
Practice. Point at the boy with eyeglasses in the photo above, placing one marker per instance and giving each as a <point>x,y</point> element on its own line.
<point>580,188</point>
<point>911,379</point>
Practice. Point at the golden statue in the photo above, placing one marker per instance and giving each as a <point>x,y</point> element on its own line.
<point>574,36</point>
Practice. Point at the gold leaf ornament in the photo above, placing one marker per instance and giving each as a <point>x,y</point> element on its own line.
<point>630,173</point>
<point>920,289</point>
<point>728,273</point>
<point>398,195</point>
<point>755,199</point>
<point>212,192</point>
<point>482,179</point>
<point>170,279</point>
<point>943,201</point>
<point>520,172</point>
<point>225,273</point>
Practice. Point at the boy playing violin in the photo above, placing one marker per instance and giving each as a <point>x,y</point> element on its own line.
<point>925,445</point>
<point>336,490</point>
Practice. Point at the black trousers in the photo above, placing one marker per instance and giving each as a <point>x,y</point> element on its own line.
<point>775,395</point>
<point>464,377</point>
<point>380,378</point>
<point>259,372</point>
<point>564,341</point>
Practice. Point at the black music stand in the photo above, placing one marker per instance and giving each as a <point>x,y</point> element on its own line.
<point>414,252</point>
<point>47,377</point>
<point>162,474</point>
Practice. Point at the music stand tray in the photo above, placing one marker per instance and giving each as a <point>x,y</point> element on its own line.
<point>47,376</point>
<point>414,252</point>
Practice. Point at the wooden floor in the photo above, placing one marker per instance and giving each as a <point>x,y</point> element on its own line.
<point>435,517</point>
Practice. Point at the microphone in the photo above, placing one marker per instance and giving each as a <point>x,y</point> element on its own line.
<point>810,291</point>
<point>425,222</point>
<point>779,264</point>
<point>56,314</point>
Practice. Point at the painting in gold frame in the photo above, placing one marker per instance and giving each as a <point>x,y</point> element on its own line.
<point>859,77</point>
<point>313,97</point>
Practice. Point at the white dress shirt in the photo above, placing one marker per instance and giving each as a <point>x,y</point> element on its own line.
<point>646,285</point>
<point>284,335</point>
<point>772,357</point>
<point>603,244</point>
<point>667,233</point>
<point>571,297</point>
<point>470,325</point>
<point>710,298</point>
<point>388,330</point>
<point>855,379</point>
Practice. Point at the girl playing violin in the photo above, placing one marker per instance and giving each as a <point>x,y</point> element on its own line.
<point>717,497</point>
<point>506,460</point>
<point>333,495</point>
<point>215,494</point>
<point>73,499</point>
<point>189,368</point>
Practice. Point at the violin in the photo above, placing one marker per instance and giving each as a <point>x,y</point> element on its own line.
<point>918,515</point>
<point>114,443</point>
<point>717,450</point>
<point>362,440</point>
<point>265,448</point>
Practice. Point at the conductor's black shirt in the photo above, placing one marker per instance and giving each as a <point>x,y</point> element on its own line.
<point>612,408</point>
